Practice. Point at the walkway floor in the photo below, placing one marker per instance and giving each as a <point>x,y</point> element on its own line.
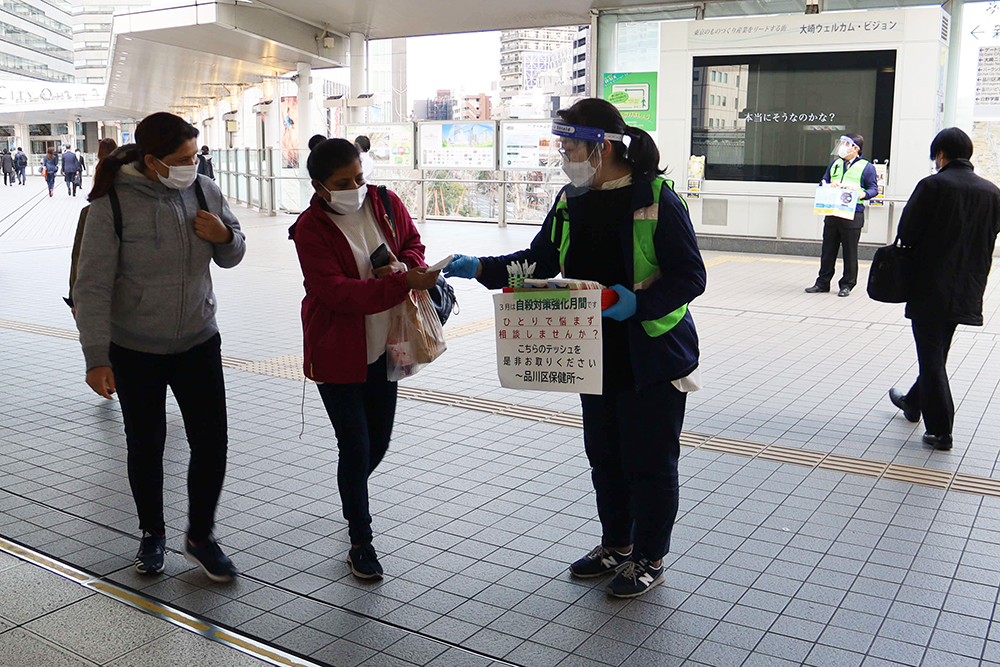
<point>815,529</point>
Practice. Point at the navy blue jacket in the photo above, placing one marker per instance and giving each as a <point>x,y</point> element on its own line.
<point>654,360</point>
<point>70,162</point>
<point>869,179</point>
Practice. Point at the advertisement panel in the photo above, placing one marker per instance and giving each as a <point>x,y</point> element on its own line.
<point>634,94</point>
<point>527,144</point>
<point>393,144</point>
<point>458,145</point>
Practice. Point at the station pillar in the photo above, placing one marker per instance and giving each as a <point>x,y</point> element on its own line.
<point>359,75</point>
<point>957,8</point>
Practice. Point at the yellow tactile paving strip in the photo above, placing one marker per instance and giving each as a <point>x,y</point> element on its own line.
<point>289,367</point>
<point>160,610</point>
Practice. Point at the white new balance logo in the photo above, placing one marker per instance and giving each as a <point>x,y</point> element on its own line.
<point>647,579</point>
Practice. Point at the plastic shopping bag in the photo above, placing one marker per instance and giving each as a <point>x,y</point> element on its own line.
<point>416,337</point>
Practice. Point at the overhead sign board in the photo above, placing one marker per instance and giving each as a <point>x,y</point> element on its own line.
<point>458,145</point>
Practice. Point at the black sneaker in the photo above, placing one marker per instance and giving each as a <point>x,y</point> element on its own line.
<point>598,562</point>
<point>364,563</point>
<point>209,557</point>
<point>149,560</point>
<point>635,578</point>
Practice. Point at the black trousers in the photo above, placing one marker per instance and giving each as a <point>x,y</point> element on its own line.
<point>838,233</point>
<point>362,415</point>
<point>931,392</point>
<point>197,382</point>
<point>8,178</point>
<point>632,438</point>
<point>71,182</point>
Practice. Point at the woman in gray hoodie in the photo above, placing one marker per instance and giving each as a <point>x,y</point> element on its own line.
<point>146,314</point>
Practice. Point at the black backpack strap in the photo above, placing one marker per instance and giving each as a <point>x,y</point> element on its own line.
<point>116,211</point>
<point>383,195</point>
<point>202,202</point>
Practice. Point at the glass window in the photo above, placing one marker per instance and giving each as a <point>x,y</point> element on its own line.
<point>794,107</point>
<point>60,128</point>
<point>6,130</point>
<point>697,75</point>
<point>711,99</point>
<point>725,78</point>
<point>713,75</point>
<point>723,100</point>
<point>40,130</point>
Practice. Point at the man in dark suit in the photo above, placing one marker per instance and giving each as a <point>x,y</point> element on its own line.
<point>850,171</point>
<point>951,224</point>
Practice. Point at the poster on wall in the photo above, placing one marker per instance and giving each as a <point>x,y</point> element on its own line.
<point>634,94</point>
<point>290,132</point>
<point>527,145</point>
<point>392,143</point>
<point>458,145</point>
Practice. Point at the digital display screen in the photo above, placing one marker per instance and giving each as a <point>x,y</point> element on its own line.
<point>777,117</point>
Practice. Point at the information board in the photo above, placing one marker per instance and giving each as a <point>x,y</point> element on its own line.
<point>458,145</point>
<point>550,340</point>
<point>392,143</point>
<point>634,94</point>
<point>527,144</point>
<point>838,202</point>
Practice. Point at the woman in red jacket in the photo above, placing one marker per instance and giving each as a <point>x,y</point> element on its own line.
<point>345,320</point>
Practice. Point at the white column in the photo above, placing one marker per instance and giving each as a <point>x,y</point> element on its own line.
<point>359,75</point>
<point>304,93</point>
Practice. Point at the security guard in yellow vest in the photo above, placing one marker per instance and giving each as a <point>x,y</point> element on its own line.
<point>848,170</point>
<point>620,223</point>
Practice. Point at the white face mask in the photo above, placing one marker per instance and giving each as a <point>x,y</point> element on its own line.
<point>843,152</point>
<point>179,177</point>
<point>580,174</point>
<point>346,201</point>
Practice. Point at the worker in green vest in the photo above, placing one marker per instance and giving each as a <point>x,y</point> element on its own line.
<point>620,223</point>
<point>848,170</point>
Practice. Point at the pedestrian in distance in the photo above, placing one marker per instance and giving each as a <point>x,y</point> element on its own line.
<point>71,169</point>
<point>346,317</point>
<point>50,169</point>
<point>20,165</point>
<point>7,166</point>
<point>105,148</point>
<point>364,145</point>
<point>620,223</point>
<point>848,170</point>
<point>949,226</point>
<point>205,167</point>
<point>145,309</point>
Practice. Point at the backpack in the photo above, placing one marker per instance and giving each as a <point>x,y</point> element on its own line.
<point>116,212</point>
<point>442,294</point>
<point>22,160</point>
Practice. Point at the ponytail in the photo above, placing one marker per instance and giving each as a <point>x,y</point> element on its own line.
<point>642,154</point>
<point>108,168</point>
<point>159,135</point>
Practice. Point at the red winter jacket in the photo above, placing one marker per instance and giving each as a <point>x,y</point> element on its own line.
<point>337,300</point>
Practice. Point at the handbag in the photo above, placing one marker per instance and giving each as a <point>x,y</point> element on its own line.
<point>891,273</point>
<point>416,337</point>
<point>45,172</point>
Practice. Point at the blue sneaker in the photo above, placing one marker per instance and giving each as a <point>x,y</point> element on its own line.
<point>635,578</point>
<point>209,557</point>
<point>599,562</point>
<point>149,559</point>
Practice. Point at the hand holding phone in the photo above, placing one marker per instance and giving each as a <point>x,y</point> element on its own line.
<point>381,257</point>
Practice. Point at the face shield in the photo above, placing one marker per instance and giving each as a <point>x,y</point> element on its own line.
<point>577,149</point>
<point>844,146</point>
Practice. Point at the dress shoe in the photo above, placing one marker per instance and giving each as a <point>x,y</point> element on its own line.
<point>942,442</point>
<point>844,291</point>
<point>898,399</point>
<point>816,289</point>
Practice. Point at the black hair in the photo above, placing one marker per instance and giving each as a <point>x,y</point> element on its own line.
<point>953,142</point>
<point>159,135</point>
<point>328,156</point>
<point>641,153</point>
<point>315,140</point>
<point>19,148</point>
<point>857,139</point>
<point>205,150</point>
<point>364,143</point>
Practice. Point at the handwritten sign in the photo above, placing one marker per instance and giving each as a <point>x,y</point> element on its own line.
<point>550,340</point>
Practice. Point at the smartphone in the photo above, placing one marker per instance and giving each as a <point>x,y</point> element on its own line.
<point>380,257</point>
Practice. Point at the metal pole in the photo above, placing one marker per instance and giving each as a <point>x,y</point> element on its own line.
<point>423,196</point>
<point>777,226</point>
<point>502,215</point>
<point>954,57</point>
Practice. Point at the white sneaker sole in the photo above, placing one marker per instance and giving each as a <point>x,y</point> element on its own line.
<point>656,582</point>
<point>221,579</point>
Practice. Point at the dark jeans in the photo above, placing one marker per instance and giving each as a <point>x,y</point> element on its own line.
<point>50,178</point>
<point>632,440</point>
<point>20,175</point>
<point>196,379</point>
<point>931,392</point>
<point>70,182</point>
<point>836,234</point>
<point>362,416</point>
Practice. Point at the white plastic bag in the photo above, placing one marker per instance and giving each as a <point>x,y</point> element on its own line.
<point>416,337</point>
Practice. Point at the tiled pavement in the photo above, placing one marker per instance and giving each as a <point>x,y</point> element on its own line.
<point>477,516</point>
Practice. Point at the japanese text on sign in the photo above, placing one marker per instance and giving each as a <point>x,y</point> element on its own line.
<point>784,117</point>
<point>550,340</point>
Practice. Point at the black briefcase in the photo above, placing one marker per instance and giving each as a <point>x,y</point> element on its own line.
<point>891,275</point>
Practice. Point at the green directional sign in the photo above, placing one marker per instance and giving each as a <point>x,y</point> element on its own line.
<point>634,94</point>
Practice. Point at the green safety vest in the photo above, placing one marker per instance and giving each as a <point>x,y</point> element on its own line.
<point>646,266</point>
<point>853,175</point>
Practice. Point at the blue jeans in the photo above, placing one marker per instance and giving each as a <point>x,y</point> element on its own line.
<point>21,178</point>
<point>50,177</point>
<point>362,416</point>
<point>632,438</point>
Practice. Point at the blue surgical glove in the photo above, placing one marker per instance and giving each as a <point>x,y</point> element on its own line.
<point>625,308</point>
<point>462,266</point>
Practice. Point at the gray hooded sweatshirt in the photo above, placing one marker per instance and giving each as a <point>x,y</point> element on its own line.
<point>151,292</point>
